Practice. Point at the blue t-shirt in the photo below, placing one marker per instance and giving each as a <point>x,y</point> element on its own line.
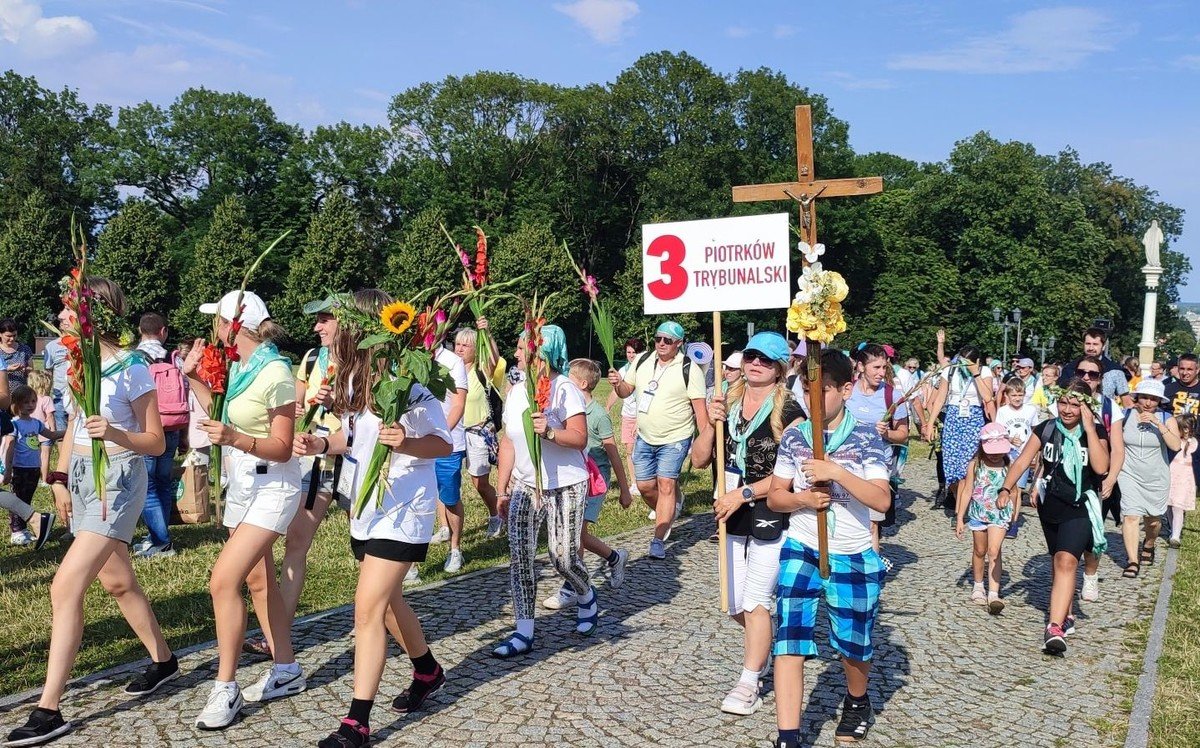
<point>54,360</point>
<point>27,442</point>
<point>870,409</point>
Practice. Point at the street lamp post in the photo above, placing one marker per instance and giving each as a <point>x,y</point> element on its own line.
<point>1003,321</point>
<point>1152,243</point>
<point>1016,315</point>
<point>1041,346</point>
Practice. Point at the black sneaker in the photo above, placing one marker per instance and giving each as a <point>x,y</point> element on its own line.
<point>1055,640</point>
<point>350,735</point>
<point>421,688</point>
<point>42,727</point>
<point>154,675</point>
<point>855,722</point>
<point>45,525</point>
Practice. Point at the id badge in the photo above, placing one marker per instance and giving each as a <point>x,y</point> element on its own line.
<point>733,478</point>
<point>964,409</point>
<point>644,401</point>
<point>345,484</point>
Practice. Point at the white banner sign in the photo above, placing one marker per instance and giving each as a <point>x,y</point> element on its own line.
<point>716,265</point>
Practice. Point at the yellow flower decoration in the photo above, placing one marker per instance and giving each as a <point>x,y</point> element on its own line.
<point>837,286</point>
<point>816,312</point>
<point>397,317</point>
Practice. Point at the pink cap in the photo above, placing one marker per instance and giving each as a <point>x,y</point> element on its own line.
<point>994,439</point>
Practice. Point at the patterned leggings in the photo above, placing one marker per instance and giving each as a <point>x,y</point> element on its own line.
<point>563,511</point>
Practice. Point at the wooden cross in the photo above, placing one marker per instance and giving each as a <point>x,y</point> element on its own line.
<point>806,191</point>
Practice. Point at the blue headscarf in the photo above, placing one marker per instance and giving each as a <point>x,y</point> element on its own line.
<point>554,347</point>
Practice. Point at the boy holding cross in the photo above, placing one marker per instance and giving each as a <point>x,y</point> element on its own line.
<point>853,480</point>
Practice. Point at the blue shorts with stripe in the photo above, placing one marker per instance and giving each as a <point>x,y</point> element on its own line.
<point>851,599</point>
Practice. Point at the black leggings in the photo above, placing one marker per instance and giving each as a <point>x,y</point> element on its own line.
<point>1072,536</point>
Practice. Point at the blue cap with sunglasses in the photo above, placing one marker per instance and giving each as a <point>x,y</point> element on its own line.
<point>773,345</point>
<point>670,329</point>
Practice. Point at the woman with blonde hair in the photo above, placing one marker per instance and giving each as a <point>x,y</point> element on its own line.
<point>129,424</point>
<point>261,498</point>
<point>757,408</point>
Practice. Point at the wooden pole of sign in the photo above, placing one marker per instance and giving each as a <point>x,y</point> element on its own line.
<point>805,192</point>
<point>719,431</point>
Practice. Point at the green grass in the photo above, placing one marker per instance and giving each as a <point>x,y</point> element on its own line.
<point>178,587</point>
<point>1176,719</point>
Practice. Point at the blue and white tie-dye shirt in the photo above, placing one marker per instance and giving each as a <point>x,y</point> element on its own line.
<point>864,455</point>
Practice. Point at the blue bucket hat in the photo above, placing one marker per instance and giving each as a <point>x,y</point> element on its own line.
<point>774,345</point>
<point>671,329</point>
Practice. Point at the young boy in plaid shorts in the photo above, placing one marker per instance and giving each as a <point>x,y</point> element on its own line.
<point>855,477</point>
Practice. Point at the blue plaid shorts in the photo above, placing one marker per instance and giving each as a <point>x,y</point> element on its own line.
<point>851,600</point>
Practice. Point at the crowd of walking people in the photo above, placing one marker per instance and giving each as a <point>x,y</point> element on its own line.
<point>1073,444</point>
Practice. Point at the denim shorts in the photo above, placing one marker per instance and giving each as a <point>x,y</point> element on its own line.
<point>124,496</point>
<point>664,461</point>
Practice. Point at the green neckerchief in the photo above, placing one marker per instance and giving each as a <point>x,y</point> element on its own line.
<point>740,437</point>
<point>837,438</point>
<point>322,360</point>
<point>1096,519</point>
<point>121,363</point>
<point>241,377</point>
<point>1072,459</point>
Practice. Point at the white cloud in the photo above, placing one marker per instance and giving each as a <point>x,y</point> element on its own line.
<point>852,82</point>
<point>739,32</point>
<point>23,26</point>
<point>783,31</point>
<point>1039,41</point>
<point>605,20</point>
<point>189,36</point>
<point>1189,62</point>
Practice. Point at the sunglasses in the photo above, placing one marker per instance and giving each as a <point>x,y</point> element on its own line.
<point>665,340</point>
<point>754,357</point>
<point>911,368</point>
<point>1087,373</point>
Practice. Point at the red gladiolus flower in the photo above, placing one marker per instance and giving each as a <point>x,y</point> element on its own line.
<point>481,260</point>
<point>543,393</point>
<point>212,368</point>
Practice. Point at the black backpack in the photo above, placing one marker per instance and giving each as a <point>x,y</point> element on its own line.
<point>688,363</point>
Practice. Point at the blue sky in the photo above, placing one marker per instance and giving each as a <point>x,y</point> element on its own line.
<point>1118,82</point>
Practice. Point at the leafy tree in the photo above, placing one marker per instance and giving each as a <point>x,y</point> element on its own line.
<point>533,249</point>
<point>132,250</point>
<point>222,257</point>
<point>334,256</point>
<point>33,242</point>
<point>422,259</point>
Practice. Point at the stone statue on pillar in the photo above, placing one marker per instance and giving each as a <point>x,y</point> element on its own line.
<point>1152,241</point>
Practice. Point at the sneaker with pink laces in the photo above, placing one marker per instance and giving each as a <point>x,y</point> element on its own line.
<point>350,735</point>
<point>1055,641</point>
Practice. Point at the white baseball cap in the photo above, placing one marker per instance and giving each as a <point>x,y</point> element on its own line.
<point>734,360</point>
<point>254,310</point>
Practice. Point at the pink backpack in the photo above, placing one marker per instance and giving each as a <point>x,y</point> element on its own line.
<point>172,393</point>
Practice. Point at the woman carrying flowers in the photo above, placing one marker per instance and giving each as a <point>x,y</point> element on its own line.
<point>391,533</point>
<point>553,487</point>
<point>103,522</point>
<point>262,495</point>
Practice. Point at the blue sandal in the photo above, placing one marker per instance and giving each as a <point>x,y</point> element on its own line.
<point>515,644</point>
<point>587,625</point>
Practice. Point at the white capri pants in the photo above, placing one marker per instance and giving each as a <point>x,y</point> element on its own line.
<point>753,572</point>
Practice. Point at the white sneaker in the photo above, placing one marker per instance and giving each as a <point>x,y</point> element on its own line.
<point>616,572</point>
<point>652,515</point>
<point>678,505</point>
<point>564,598</point>
<point>412,576</point>
<point>495,527</point>
<point>276,684</point>
<point>20,537</point>
<point>139,547</point>
<point>1091,588</point>
<point>441,536</point>
<point>634,490</point>
<point>221,709</point>
<point>156,551</point>
<point>743,699</point>
<point>454,563</point>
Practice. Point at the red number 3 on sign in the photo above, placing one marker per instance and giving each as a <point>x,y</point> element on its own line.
<point>672,251</point>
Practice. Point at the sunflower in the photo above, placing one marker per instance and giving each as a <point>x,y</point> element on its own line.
<point>397,317</point>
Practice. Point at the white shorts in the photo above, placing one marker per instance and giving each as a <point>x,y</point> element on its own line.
<point>753,572</point>
<point>478,463</point>
<point>877,516</point>
<point>260,492</point>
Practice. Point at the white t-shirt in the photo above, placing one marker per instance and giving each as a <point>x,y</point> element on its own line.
<point>629,404</point>
<point>410,500</point>
<point>1019,422</point>
<point>117,395</point>
<point>560,466</point>
<point>963,388</point>
<point>864,455</point>
<point>458,371</point>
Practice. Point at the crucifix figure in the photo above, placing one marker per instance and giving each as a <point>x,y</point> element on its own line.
<point>805,192</point>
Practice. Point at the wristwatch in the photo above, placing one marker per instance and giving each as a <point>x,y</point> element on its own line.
<point>748,494</point>
<point>549,434</point>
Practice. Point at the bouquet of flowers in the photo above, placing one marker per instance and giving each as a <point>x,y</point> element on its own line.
<point>218,357</point>
<point>599,311</point>
<point>475,280</point>
<point>81,337</point>
<point>816,311</point>
<point>403,345</point>
<point>537,382</point>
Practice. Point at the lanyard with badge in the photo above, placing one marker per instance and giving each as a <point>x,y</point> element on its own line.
<point>647,395</point>
<point>349,467</point>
